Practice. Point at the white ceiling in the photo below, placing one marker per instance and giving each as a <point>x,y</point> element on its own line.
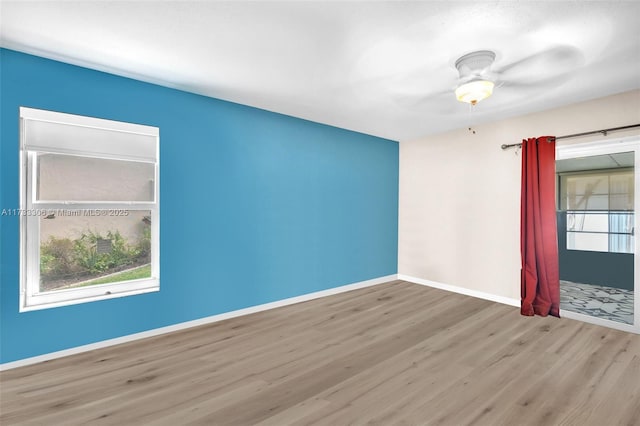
<point>382,68</point>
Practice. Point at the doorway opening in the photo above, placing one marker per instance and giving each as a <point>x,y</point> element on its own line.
<point>597,188</point>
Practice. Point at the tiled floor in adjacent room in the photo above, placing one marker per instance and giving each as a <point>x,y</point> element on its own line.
<point>597,301</point>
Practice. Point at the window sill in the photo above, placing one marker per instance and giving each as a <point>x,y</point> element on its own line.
<point>99,292</point>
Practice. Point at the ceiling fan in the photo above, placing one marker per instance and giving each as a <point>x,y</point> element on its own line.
<point>479,76</point>
<point>476,81</point>
<point>544,70</point>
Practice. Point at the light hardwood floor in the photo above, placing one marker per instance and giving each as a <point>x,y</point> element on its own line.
<point>396,353</point>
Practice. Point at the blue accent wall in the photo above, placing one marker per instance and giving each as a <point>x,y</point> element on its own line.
<point>255,206</point>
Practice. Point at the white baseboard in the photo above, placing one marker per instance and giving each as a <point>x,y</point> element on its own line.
<point>516,302</point>
<point>195,323</point>
<point>461,290</point>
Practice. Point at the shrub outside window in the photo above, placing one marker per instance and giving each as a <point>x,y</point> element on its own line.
<point>89,209</point>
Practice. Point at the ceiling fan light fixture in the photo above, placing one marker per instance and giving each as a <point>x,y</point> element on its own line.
<point>474,91</point>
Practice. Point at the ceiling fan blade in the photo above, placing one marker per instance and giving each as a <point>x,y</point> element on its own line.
<point>542,65</point>
<point>424,100</point>
<point>541,83</point>
<point>510,94</point>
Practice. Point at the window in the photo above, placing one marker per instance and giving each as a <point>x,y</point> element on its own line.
<point>89,209</point>
<point>599,207</point>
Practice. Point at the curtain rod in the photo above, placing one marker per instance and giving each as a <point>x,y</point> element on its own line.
<point>575,135</point>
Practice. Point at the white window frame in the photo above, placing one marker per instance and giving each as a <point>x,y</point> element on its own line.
<point>131,142</point>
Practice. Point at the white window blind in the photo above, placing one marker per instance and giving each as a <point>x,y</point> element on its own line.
<point>54,132</point>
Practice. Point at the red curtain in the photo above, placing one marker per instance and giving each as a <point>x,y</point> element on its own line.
<point>540,281</point>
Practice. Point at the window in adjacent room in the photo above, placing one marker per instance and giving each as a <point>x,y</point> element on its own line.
<point>89,209</point>
<point>599,207</point>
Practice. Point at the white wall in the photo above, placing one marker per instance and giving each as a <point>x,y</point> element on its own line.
<point>460,194</point>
